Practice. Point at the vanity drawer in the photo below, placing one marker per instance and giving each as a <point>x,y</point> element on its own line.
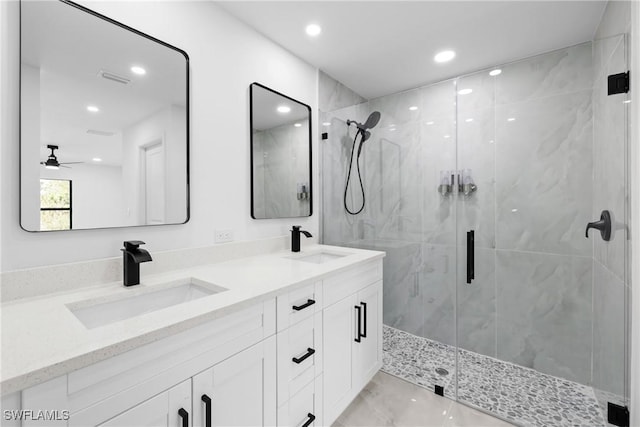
<point>304,408</point>
<point>298,305</point>
<point>341,285</point>
<point>303,342</point>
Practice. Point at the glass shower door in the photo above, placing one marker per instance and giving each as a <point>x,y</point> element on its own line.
<point>541,310</point>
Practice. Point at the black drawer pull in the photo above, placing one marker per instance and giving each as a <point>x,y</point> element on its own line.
<point>364,305</point>
<point>207,403</point>
<point>309,421</point>
<point>309,303</point>
<point>358,333</point>
<point>185,417</point>
<point>302,358</point>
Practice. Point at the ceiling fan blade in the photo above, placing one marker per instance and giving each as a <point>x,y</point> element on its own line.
<point>63,166</point>
<point>70,163</point>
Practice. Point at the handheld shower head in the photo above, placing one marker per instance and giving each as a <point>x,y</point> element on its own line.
<point>371,122</point>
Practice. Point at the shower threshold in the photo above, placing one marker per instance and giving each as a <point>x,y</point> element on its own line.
<point>517,394</point>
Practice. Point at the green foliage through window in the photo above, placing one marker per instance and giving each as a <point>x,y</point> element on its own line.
<point>55,204</point>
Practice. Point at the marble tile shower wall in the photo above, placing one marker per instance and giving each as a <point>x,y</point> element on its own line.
<point>280,161</point>
<point>527,136</point>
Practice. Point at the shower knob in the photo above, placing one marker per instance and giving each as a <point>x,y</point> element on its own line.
<point>604,225</point>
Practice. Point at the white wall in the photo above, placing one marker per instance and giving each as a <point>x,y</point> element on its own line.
<point>166,126</point>
<point>226,57</point>
<point>96,194</point>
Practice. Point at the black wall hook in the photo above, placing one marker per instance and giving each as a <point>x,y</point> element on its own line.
<point>604,225</point>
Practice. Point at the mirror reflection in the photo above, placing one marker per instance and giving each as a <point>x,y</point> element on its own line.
<point>104,116</point>
<point>280,155</point>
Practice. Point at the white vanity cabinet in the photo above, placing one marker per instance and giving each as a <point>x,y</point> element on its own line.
<point>231,358</point>
<point>238,391</point>
<point>294,360</point>
<point>352,342</point>
<point>168,409</point>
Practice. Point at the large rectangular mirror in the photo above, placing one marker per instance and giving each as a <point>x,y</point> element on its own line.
<point>280,155</point>
<point>104,123</point>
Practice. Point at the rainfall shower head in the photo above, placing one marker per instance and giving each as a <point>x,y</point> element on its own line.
<point>371,122</point>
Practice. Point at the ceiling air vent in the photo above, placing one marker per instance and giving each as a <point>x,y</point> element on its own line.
<point>114,77</point>
<point>100,132</point>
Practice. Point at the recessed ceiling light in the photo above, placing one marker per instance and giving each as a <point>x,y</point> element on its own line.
<point>298,125</point>
<point>447,136</point>
<point>514,210</point>
<point>138,70</point>
<point>313,30</point>
<point>495,72</point>
<point>429,123</point>
<point>392,130</point>
<point>284,109</point>
<point>97,159</point>
<point>413,108</point>
<point>444,56</point>
<point>511,119</point>
<point>465,91</point>
<point>469,120</point>
<point>326,124</point>
<point>92,108</point>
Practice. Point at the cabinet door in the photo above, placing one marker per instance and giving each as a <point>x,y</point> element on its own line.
<point>164,409</point>
<point>338,323</point>
<point>240,391</point>
<point>367,357</point>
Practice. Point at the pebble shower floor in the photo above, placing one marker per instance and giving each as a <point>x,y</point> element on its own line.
<point>515,393</point>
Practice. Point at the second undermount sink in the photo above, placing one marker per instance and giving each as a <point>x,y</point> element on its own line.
<point>319,257</point>
<point>96,313</point>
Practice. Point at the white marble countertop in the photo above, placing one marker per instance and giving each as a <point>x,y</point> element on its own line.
<point>42,339</point>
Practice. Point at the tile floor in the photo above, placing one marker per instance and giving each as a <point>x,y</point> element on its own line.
<point>391,401</point>
<point>521,395</point>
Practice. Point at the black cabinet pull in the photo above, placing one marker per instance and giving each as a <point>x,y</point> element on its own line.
<point>302,358</point>
<point>358,334</point>
<point>364,315</point>
<point>309,302</point>
<point>185,417</point>
<point>470,256</point>
<point>207,407</point>
<point>309,421</point>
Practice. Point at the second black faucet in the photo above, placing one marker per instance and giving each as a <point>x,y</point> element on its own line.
<point>295,238</point>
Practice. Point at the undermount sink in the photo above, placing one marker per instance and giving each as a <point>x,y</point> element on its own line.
<point>319,257</point>
<point>96,313</point>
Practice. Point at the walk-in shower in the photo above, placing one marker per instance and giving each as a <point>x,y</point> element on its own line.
<point>539,335</point>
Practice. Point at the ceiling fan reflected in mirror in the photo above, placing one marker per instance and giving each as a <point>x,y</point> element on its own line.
<point>52,161</point>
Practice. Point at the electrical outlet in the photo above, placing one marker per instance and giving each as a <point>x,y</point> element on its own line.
<point>223,236</point>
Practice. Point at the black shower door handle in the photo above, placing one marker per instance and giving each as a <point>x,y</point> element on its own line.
<point>470,256</point>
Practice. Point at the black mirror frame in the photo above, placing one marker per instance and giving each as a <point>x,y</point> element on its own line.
<point>251,86</point>
<point>188,120</point>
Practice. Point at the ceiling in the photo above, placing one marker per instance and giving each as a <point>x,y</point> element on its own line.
<point>382,47</point>
<point>64,49</point>
<point>264,110</point>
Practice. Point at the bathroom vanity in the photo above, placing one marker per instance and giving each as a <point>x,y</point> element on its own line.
<point>280,339</point>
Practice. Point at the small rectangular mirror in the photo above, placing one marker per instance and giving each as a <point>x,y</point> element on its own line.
<point>104,113</point>
<point>280,155</point>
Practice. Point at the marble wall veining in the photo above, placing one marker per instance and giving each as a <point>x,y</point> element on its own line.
<point>529,137</point>
<point>280,166</point>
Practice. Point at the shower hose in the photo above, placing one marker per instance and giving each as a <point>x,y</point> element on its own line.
<point>346,187</point>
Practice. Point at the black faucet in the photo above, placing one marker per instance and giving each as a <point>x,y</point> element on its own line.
<point>295,238</point>
<point>131,259</point>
